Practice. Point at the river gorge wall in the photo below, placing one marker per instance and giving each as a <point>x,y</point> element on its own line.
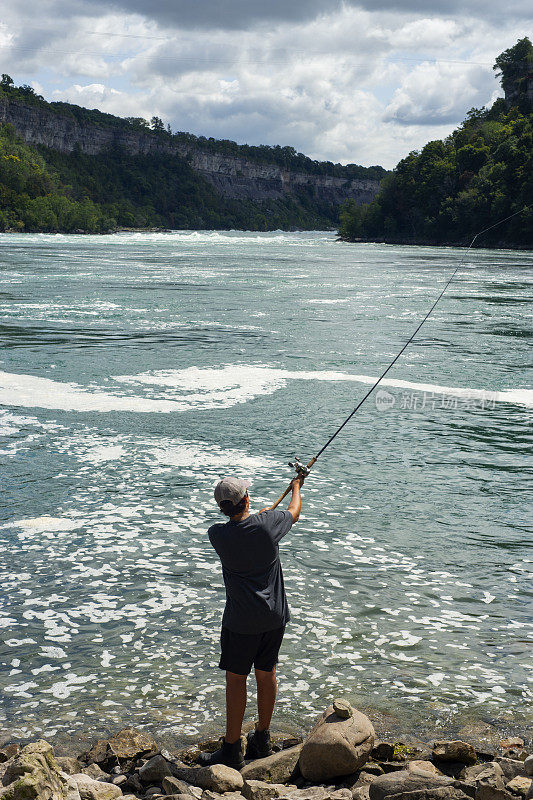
<point>233,177</point>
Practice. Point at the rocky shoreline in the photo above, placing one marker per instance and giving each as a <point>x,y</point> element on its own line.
<point>339,759</point>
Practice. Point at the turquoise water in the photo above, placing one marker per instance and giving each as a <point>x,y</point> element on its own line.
<point>137,369</point>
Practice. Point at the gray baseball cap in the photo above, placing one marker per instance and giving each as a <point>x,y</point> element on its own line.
<point>232,489</point>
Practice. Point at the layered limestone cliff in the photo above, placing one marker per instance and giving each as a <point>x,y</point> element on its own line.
<point>232,177</point>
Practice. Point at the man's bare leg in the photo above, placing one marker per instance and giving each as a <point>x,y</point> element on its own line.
<point>235,705</point>
<point>266,697</point>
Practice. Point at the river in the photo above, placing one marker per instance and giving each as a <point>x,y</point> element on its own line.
<point>139,368</point>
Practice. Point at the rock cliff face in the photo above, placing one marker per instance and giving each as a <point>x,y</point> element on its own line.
<point>232,177</point>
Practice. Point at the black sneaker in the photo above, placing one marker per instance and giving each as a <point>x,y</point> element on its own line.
<point>258,745</point>
<point>228,754</point>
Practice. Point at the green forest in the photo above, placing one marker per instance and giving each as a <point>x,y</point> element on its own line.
<point>454,188</point>
<point>44,190</point>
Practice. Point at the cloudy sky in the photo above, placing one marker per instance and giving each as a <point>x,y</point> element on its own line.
<point>362,82</point>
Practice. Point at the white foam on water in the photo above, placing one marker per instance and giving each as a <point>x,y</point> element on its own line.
<point>112,452</point>
<point>208,388</point>
<point>46,525</point>
<point>324,302</point>
<point>238,383</point>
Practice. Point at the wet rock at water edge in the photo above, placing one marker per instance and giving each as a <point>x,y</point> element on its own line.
<point>9,751</point>
<point>454,751</point>
<point>383,751</point>
<point>336,746</point>
<point>122,749</point>
<point>277,768</point>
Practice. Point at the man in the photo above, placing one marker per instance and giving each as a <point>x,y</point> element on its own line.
<point>256,612</point>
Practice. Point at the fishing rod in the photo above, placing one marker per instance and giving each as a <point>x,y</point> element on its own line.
<point>305,469</point>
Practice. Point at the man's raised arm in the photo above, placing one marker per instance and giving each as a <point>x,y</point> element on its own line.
<point>295,506</point>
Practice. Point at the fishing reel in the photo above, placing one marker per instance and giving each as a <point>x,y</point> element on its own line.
<point>301,469</point>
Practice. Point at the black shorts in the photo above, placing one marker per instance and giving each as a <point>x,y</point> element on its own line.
<point>241,650</point>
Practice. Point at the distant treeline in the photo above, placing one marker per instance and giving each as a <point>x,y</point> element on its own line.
<point>454,188</point>
<point>43,190</point>
<point>285,157</point>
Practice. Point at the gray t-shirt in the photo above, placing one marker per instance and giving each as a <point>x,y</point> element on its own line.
<point>255,592</point>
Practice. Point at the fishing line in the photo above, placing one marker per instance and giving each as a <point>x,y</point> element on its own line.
<point>304,469</point>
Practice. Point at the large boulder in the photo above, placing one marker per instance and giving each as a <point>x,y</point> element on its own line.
<point>121,750</point>
<point>277,768</point>
<point>90,789</point>
<point>34,774</point>
<point>417,786</point>
<point>337,745</point>
<point>511,767</point>
<point>528,765</point>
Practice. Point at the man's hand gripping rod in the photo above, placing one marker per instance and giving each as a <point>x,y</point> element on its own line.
<point>301,469</point>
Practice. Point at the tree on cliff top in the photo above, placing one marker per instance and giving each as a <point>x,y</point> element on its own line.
<point>515,70</point>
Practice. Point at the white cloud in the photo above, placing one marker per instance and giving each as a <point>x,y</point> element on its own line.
<point>347,84</point>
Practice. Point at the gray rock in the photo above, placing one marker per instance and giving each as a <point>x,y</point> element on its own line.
<point>454,751</point>
<point>519,785</point>
<point>485,791</point>
<point>261,790</point>
<point>478,772</point>
<point>90,789</point>
<point>69,765</point>
<point>277,768</point>
<point>154,770</point>
<point>511,767</point>
<point>96,772</point>
<point>217,778</point>
<point>528,765</point>
<point>491,783</point>
<point>315,793</point>
<point>415,784</point>
<point>336,746</point>
<point>119,780</point>
<point>361,793</point>
<point>153,791</point>
<point>175,786</point>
